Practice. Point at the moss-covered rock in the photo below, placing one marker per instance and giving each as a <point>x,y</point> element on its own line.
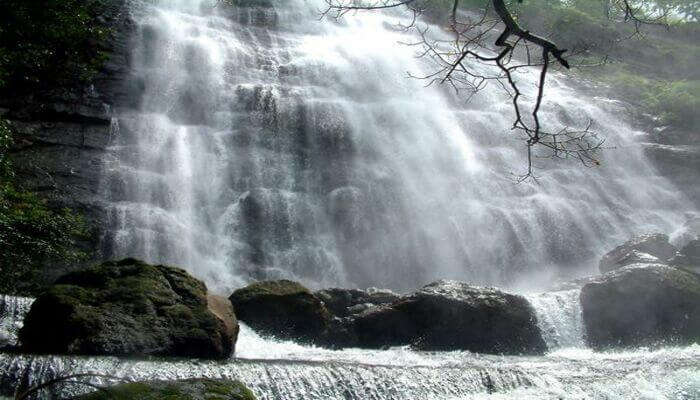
<point>190,389</point>
<point>282,308</point>
<point>128,308</point>
<point>642,304</point>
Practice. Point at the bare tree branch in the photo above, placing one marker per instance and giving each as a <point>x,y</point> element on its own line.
<point>474,41</point>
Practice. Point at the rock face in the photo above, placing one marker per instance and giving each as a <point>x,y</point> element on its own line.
<point>679,161</point>
<point>642,304</point>
<point>649,248</point>
<point>345,302</point>
<point>689,256</point>
<point>130,308</point>
<point>282,308</point>
<point>62,134</point>
<point>190,389</point>
<point>449,315</point>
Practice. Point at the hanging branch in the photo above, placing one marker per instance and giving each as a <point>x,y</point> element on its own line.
<point>23,393</point>
<point>473,39</point>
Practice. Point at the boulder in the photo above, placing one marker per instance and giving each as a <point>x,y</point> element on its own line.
<point>345,302</point>
<point>648,248</point>
<point>222,308</point>
<point>281,308</point>
<point>129,308</point>
<point>189,389</point>
<point>642,304</point>
<point>449,315</point>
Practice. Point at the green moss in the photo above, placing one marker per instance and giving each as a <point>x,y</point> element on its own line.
<point>275,288</point>
<point>192,389</point>
<point>32,234</point>
<point>126,308</point>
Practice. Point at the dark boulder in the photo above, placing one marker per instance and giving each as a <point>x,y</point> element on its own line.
<point>649,248</point>
<point>345,302</point>
<point>129,308</point>
<point>642,304</point>
<point>282,308</point>
<point>449,315</point>
<point>189,389</point>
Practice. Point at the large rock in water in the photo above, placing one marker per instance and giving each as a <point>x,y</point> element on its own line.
<point>449,315</point>
<point>130,308</point>
<point>283,308</point>
<point>189,389</point>
<point>649,248</point>
<point>640,305</point>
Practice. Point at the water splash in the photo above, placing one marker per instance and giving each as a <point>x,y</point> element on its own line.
<point>559,318</point>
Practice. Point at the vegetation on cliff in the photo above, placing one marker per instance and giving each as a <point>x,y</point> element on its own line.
<point>31,232</point>
<point>48,43</point>
<point>44,45</point>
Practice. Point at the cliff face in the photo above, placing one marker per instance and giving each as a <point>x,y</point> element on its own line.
<point>677,157</point>
<point>62,133</point>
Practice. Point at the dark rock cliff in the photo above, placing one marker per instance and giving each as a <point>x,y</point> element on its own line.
<point>62,134</point>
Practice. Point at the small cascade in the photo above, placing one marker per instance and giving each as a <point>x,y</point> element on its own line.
<point>559,318</point>
<point>12,312</point>
<point>388,375</point>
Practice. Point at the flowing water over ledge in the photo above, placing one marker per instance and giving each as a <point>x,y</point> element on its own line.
<point>285,370</point>
<point>400,374</point>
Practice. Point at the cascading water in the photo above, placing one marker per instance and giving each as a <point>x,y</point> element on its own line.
<point>263,143</point>
<point>12,312</point>
<point>284,370</point>
<point>560,318</point>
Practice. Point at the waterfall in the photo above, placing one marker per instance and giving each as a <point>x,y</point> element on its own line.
<point>12,312</point>
<point>263,143</point>
<point>559,318</point>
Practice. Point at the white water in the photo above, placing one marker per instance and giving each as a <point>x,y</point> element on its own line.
<point>270,144</point>
<point>12,312</point>
<point>284,370</point>
<point>559,318</point>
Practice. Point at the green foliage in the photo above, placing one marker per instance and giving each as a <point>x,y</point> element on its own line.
<point>676,103</point>
<point>31,233</point>
<point>673,102</point>
<point>49,42</point>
